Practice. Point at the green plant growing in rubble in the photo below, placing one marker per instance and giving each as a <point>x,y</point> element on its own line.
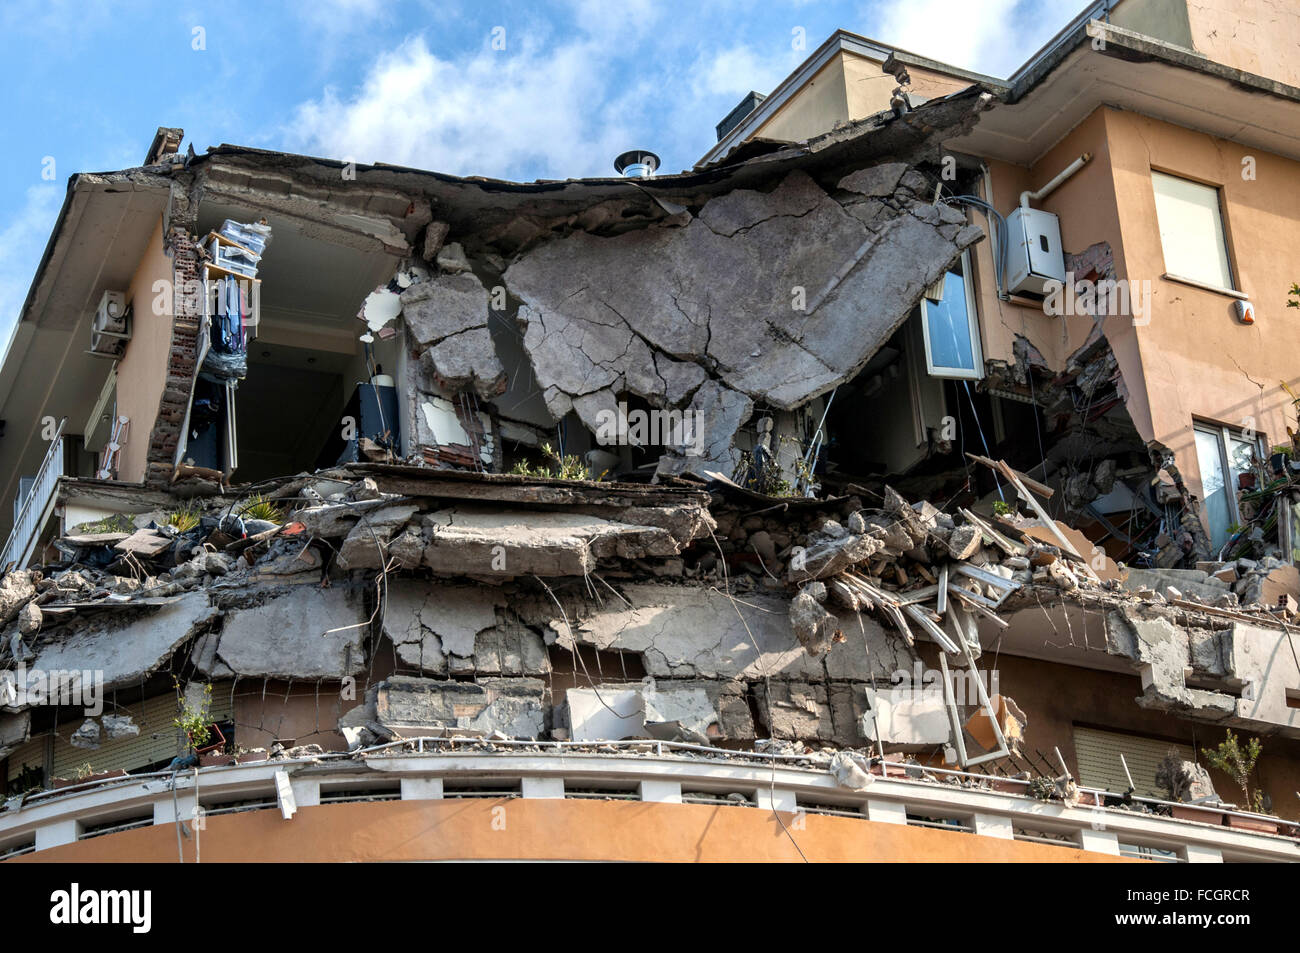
<point>1237,762</point>
<point>260,508</point>
<point>1294,293</point>
<point>565,467</point>
<point>1042,788</point>
<point>1002,508</point>
<point>194,720</point>
<point>117,523</point>
<point>184,519</point>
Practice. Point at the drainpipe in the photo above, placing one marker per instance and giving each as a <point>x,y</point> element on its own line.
<point>1050,187</point>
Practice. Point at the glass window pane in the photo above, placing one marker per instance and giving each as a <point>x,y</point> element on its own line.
<point>1191,230</point>
<point>948,326</point>
<point>1213,486</point>
<point>1240,455</point>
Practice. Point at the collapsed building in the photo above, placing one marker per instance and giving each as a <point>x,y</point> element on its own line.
<point>413,487</point>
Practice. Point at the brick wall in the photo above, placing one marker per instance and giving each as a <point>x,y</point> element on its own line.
<point>186,270</point>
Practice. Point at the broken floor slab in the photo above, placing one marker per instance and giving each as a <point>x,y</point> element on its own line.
<point>765,290</point>
<point>125,648</point>
<point>302,633</point>
<point>688,632</point>
<point>467,540</point>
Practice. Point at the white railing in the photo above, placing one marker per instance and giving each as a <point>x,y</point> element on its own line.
<point>663,772</point>
<point>37,506</point>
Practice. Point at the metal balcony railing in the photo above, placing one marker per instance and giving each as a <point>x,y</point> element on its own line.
<point>37,506</point>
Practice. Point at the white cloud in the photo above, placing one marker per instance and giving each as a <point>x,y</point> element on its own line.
<point>22,242</point>
<point>524,110</point>
<point>987,36</point>
<point>734,72</point>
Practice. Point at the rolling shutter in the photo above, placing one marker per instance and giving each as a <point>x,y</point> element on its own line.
<point>157,740</point>
<point>1099,765</point>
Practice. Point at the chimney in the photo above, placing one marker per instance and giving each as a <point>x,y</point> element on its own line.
<point>636,164</point>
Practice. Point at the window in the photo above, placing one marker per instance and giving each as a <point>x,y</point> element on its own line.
<point>948,320</point>
<point>1100,767</point>
<point>1224,455</point>
<point>1191,231</point>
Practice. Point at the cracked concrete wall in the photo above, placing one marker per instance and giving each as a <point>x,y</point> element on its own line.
<point>772,296</point>
<point>297,634</point>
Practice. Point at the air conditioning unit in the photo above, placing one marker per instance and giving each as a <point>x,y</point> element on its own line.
<point>1034,254</point>
<point>110,329</point>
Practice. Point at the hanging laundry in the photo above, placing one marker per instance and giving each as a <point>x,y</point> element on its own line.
<point>227,358</point>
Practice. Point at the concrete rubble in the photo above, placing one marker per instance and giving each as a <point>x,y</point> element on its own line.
<point>684,597</point>
<point>801,643</point>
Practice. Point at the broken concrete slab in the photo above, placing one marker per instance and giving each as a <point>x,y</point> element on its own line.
<point>409,707</point>
<point>128,648</point>
<point>117,727</point>
<point>439,618</point>
<point>814,627</point>
<point>1191,582</point>
<point>366,545</point>
<point>303,633</point>
<point>785,267</point>
<point>875,181</point>
<point>16,589</point>
<point>695,711</point>
<point>15,730</point>
<point>469,540</point>
<point>796,709</point>
<point>688,632</point>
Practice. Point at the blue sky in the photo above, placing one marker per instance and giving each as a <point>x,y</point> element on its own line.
<point>420,83</point>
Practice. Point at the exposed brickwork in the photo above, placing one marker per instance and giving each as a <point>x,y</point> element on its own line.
<point>186,272</point>
<point>1094,263</point>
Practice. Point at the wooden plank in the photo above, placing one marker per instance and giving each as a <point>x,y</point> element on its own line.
<point>935,633</point>
<point>144,542</point>
<point>843,593</point>
<point>881,597</point>
<point>1261,619</point>
<point>996,538</point>
<point>941,604</point>
<point>223,240</point>
<point>964,596</point>
<point>1042,489</point>
<point>1038,509</point>
<point>967,596</point>
<point>900,622</point>
<point>924,594</point>
<point>1005,586</point>
<point>230,272</point>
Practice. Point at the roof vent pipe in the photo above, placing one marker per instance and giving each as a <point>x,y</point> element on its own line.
<point>1050,187</point>
<point>636,164</point>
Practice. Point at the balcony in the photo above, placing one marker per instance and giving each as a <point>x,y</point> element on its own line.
<point>457,787</point>
<point>37,506</point>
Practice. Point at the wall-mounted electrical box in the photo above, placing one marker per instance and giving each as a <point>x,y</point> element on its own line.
<point>1034,254</point>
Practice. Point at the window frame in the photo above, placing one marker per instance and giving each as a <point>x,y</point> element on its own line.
<point>972,323</point>
<point>1224,435</point>
<point>1224,235</point>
